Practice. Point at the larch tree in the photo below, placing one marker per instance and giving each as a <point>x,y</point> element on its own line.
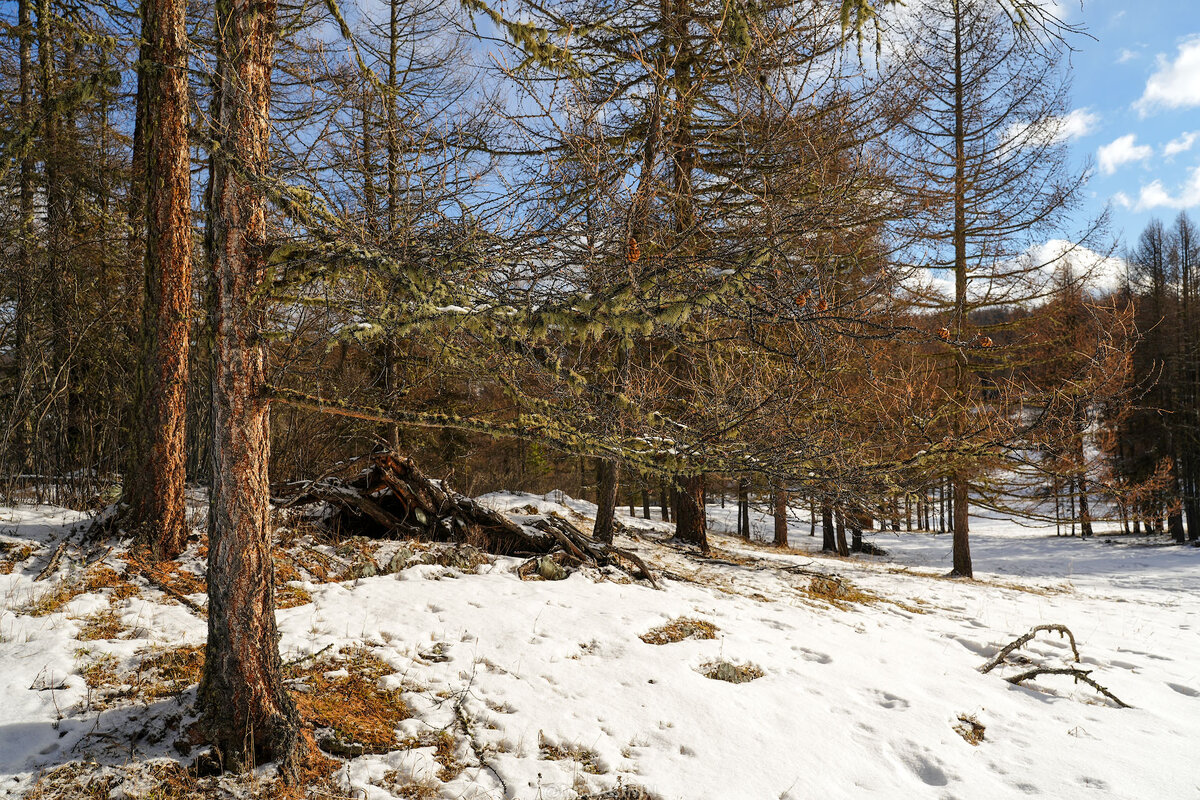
<point>983,138</point>
<point>155,482</point>
<point>247,713</point>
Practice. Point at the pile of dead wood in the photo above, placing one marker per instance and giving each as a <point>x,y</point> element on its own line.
<point>391,498</point>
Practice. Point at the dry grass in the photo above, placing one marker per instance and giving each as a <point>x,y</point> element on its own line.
<point>100,672</point>
<point>970,728</point>
<point>161,672</point>
<point>101,625</point>
<point>289,596</point>
<point>730,672</point>
<point>168,672</point>
<point>587,759</point>
<point>837,591</point>
<point>677,630</point>
<point>12,554</point>
<point>360,717</point>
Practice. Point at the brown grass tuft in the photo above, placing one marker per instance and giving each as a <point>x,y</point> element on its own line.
<point>970,728</point>
<point>587,759</point>
<point>101,625</point>
<point>12,554</point>
<point>677,630</point>
<point>730,672</point>
<point>837,591</point>
<point>360,717</point>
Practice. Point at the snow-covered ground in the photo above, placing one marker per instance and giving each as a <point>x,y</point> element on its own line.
<point>549,692</point>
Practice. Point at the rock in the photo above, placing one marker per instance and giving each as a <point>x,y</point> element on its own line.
<point>550,569</point>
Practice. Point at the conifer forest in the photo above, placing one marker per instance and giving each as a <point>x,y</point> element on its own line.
<point>626,399</point>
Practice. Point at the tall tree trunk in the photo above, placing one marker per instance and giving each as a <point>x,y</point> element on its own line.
<point>691,522</point>
<point>961,546</point>
<point>20,419</point>
<point>842,548</point>
<point>158,502</point>
<point>664,502</point>
<point>246,710</point>
<point>828,536</point>
<point>744,507</point>
<point>646,502</point>
<point>780,496</point>
<point>606,499</point>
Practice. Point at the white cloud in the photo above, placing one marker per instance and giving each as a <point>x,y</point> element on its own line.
<point>1078,123</point>
<point>1054,130</point>
<point>1122,199</point>
<point>1126,55</point>
<point>1181,144</point>
<point>1122,151</point>
<point>1174,84</point>
<point>1156,195</point>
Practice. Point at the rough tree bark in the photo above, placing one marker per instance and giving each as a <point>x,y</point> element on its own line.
<point>780,496</point>
<point>828,537</point>
<point>156,497</point>
<point>606,500</point>
<point>842,548</point>
<point>691,522</point>
<point>247,712</point>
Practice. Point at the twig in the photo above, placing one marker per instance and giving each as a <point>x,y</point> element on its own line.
<point>997,659</point>
<point>54,559</point>
<point>1075,672</point>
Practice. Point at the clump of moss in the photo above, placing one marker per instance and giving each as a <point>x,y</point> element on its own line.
<point>730,672</point>
<point>677,630</point>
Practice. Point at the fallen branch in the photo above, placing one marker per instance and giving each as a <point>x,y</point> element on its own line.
<point>1075,672</point>
<point>1024,639</point>
<point>392,498</point>
<point>1033,672</point>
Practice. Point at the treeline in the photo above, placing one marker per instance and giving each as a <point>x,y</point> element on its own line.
<point>648,251</point>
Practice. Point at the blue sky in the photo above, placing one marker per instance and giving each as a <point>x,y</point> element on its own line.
<point>1137,108</point>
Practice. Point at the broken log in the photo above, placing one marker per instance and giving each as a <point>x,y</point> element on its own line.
<point>392,498</point>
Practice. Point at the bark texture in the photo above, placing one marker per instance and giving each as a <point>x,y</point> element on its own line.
<point>781,522</point>
<point>962,545</point>
<point>247,712</point>
<point>606,500</point>
<point>691,523</point>
<point>156,497</point>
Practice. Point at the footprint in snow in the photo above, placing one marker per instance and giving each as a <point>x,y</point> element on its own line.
<point>812,655</point>
<point>889,700</point>
<point>1187,691</point>
<point>924,766</point>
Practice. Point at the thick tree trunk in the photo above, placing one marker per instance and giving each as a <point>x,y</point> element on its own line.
<point>691,523</point>
<point>247,712</point>
<point>780,498</point>
<point>608,472</point>
<point>842,548</point>
<point>646,502</point>
<point>828,536</point>
<point>962,544</point>
<point>157,499</point>
<point>664,502</point>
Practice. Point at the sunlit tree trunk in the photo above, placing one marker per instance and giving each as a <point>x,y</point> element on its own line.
<point>246,710</point>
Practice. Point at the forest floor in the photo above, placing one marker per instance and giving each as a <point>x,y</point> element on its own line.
<point>755,673</point>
